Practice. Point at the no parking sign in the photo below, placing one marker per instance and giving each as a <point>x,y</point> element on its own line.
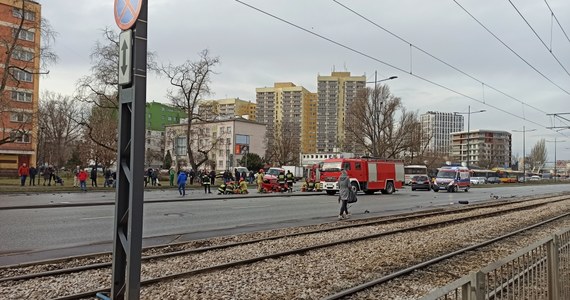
<point>127,12</point>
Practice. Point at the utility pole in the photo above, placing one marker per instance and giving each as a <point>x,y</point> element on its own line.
<point>524,146</point>
<point>555,171</point>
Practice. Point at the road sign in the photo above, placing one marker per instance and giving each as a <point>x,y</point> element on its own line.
<point>127,12</point>
<point>125,56</point>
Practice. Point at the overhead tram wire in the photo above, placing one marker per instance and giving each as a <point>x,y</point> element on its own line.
<point>387,64</point>
<point>539,38</point>
<point>511,49</point>
<point>438,59</point>
<point>558,22</point>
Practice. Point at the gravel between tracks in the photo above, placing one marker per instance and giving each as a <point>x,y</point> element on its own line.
<point>309,276</point>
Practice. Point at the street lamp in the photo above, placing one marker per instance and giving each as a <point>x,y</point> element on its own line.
<point>524,131</point>
<point>375,117</point>
<point>468,113</point>
<point>555,141</point>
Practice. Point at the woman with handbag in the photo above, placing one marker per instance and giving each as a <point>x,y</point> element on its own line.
<point>344,194</point>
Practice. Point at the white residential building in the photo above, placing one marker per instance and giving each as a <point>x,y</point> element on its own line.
<point>438,126</point>
<point>227,142</point>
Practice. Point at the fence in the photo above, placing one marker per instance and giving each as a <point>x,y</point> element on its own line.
<point>540,271</point>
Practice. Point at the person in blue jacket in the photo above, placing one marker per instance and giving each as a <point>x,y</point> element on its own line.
<point>182,183</point>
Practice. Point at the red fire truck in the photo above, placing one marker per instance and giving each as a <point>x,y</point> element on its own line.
<point>366,174</point>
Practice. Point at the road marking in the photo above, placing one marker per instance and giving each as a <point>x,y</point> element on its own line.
<point>97,218</point>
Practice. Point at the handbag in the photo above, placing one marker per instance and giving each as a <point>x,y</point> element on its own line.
<point>352,196</point>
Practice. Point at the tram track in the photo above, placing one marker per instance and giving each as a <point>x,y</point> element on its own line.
<point>153,262</point>
<point>102,260</point>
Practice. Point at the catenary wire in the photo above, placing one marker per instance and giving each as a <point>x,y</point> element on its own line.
<point>558,22</point>
<point>438,59</point>
<point>511,49</point>
<point>385,63</point>
<point>539,38</point>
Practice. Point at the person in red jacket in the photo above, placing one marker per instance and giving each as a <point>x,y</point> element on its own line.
<point>82,176</point>
<point>23,172</point>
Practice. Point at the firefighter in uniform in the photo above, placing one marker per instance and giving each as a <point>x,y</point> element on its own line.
<point>290,179</point>
<point>222,188</point>
<point>206,183</point>
<point>281,181</point>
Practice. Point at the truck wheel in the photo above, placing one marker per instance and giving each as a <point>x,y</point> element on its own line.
<point>389,188</point>
<point>455,189</point>
<point>354,186</point>
<point>331,192</point>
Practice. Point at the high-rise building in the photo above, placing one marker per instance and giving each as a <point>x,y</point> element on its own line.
<point>289,107</point>
<point>335,94</point>
<point>437,127</point>
<point>228,108</point>
<point>19,28</point>
<point>486,148</point>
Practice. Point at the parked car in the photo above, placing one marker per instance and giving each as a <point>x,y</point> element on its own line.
<point>478,180</point>
<point>420,182</point>
<point>493,180</point>
<point>535,178</point>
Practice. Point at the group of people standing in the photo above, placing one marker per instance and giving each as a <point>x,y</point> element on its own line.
<point>48,173</point>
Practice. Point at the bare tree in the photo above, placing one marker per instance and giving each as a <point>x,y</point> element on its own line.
<point>100,134</point>
<point>537,156</point>
<point>22,64</point>
<point>100,88</point>
<point>372,123</point>
<point>58,130</point>
<point>190,83</point>
<point>283,143</point>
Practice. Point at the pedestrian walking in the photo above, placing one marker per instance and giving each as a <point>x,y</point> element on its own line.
<point>23,172</point>
<point>48,171</point>
<point>206,183</point>
<point>182,177</point>
<point>33,172</point>
<point>192,176</point>
<point>82,177</point>
<point>290,180</point>
<point>93,177</point>
<point>107,176</point>
<point>343,186</point>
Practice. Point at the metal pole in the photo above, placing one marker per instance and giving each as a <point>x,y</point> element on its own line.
<point>128,223</point>
<point>555,178</point>
<point>524,156</point>
<point>468,132</point>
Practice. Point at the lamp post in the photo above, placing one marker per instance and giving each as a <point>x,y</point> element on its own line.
<point>555,141</point>
<point>524,131</point>
<point>375,117</point>
<point>468,113</point>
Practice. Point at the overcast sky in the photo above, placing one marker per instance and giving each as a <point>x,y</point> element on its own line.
<point>256,50</point>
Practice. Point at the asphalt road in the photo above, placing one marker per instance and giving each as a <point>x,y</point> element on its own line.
<point>38,232</point>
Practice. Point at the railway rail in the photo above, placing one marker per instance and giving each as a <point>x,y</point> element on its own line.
<point>362,231</point>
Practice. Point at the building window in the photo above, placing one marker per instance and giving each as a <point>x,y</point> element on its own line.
<point>24,34</point>
<point>180,145</point>
<point>23,55</point>
<point>169,118</point>
<point>19,117</point>
<point>229,129</point>
<point>22,96</point>
<point>21,75</point>
<point>28,15</point>
<point>20,137</point>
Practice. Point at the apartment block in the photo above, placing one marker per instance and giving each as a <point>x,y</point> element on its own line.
<point>286,104</point>
<point>483,148</point>
<point>228,108</point>
<point>158,116</point>
<point>227,141</point>
<point>335,94</point>
<point>19,102</point>
<point>438,126</point>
